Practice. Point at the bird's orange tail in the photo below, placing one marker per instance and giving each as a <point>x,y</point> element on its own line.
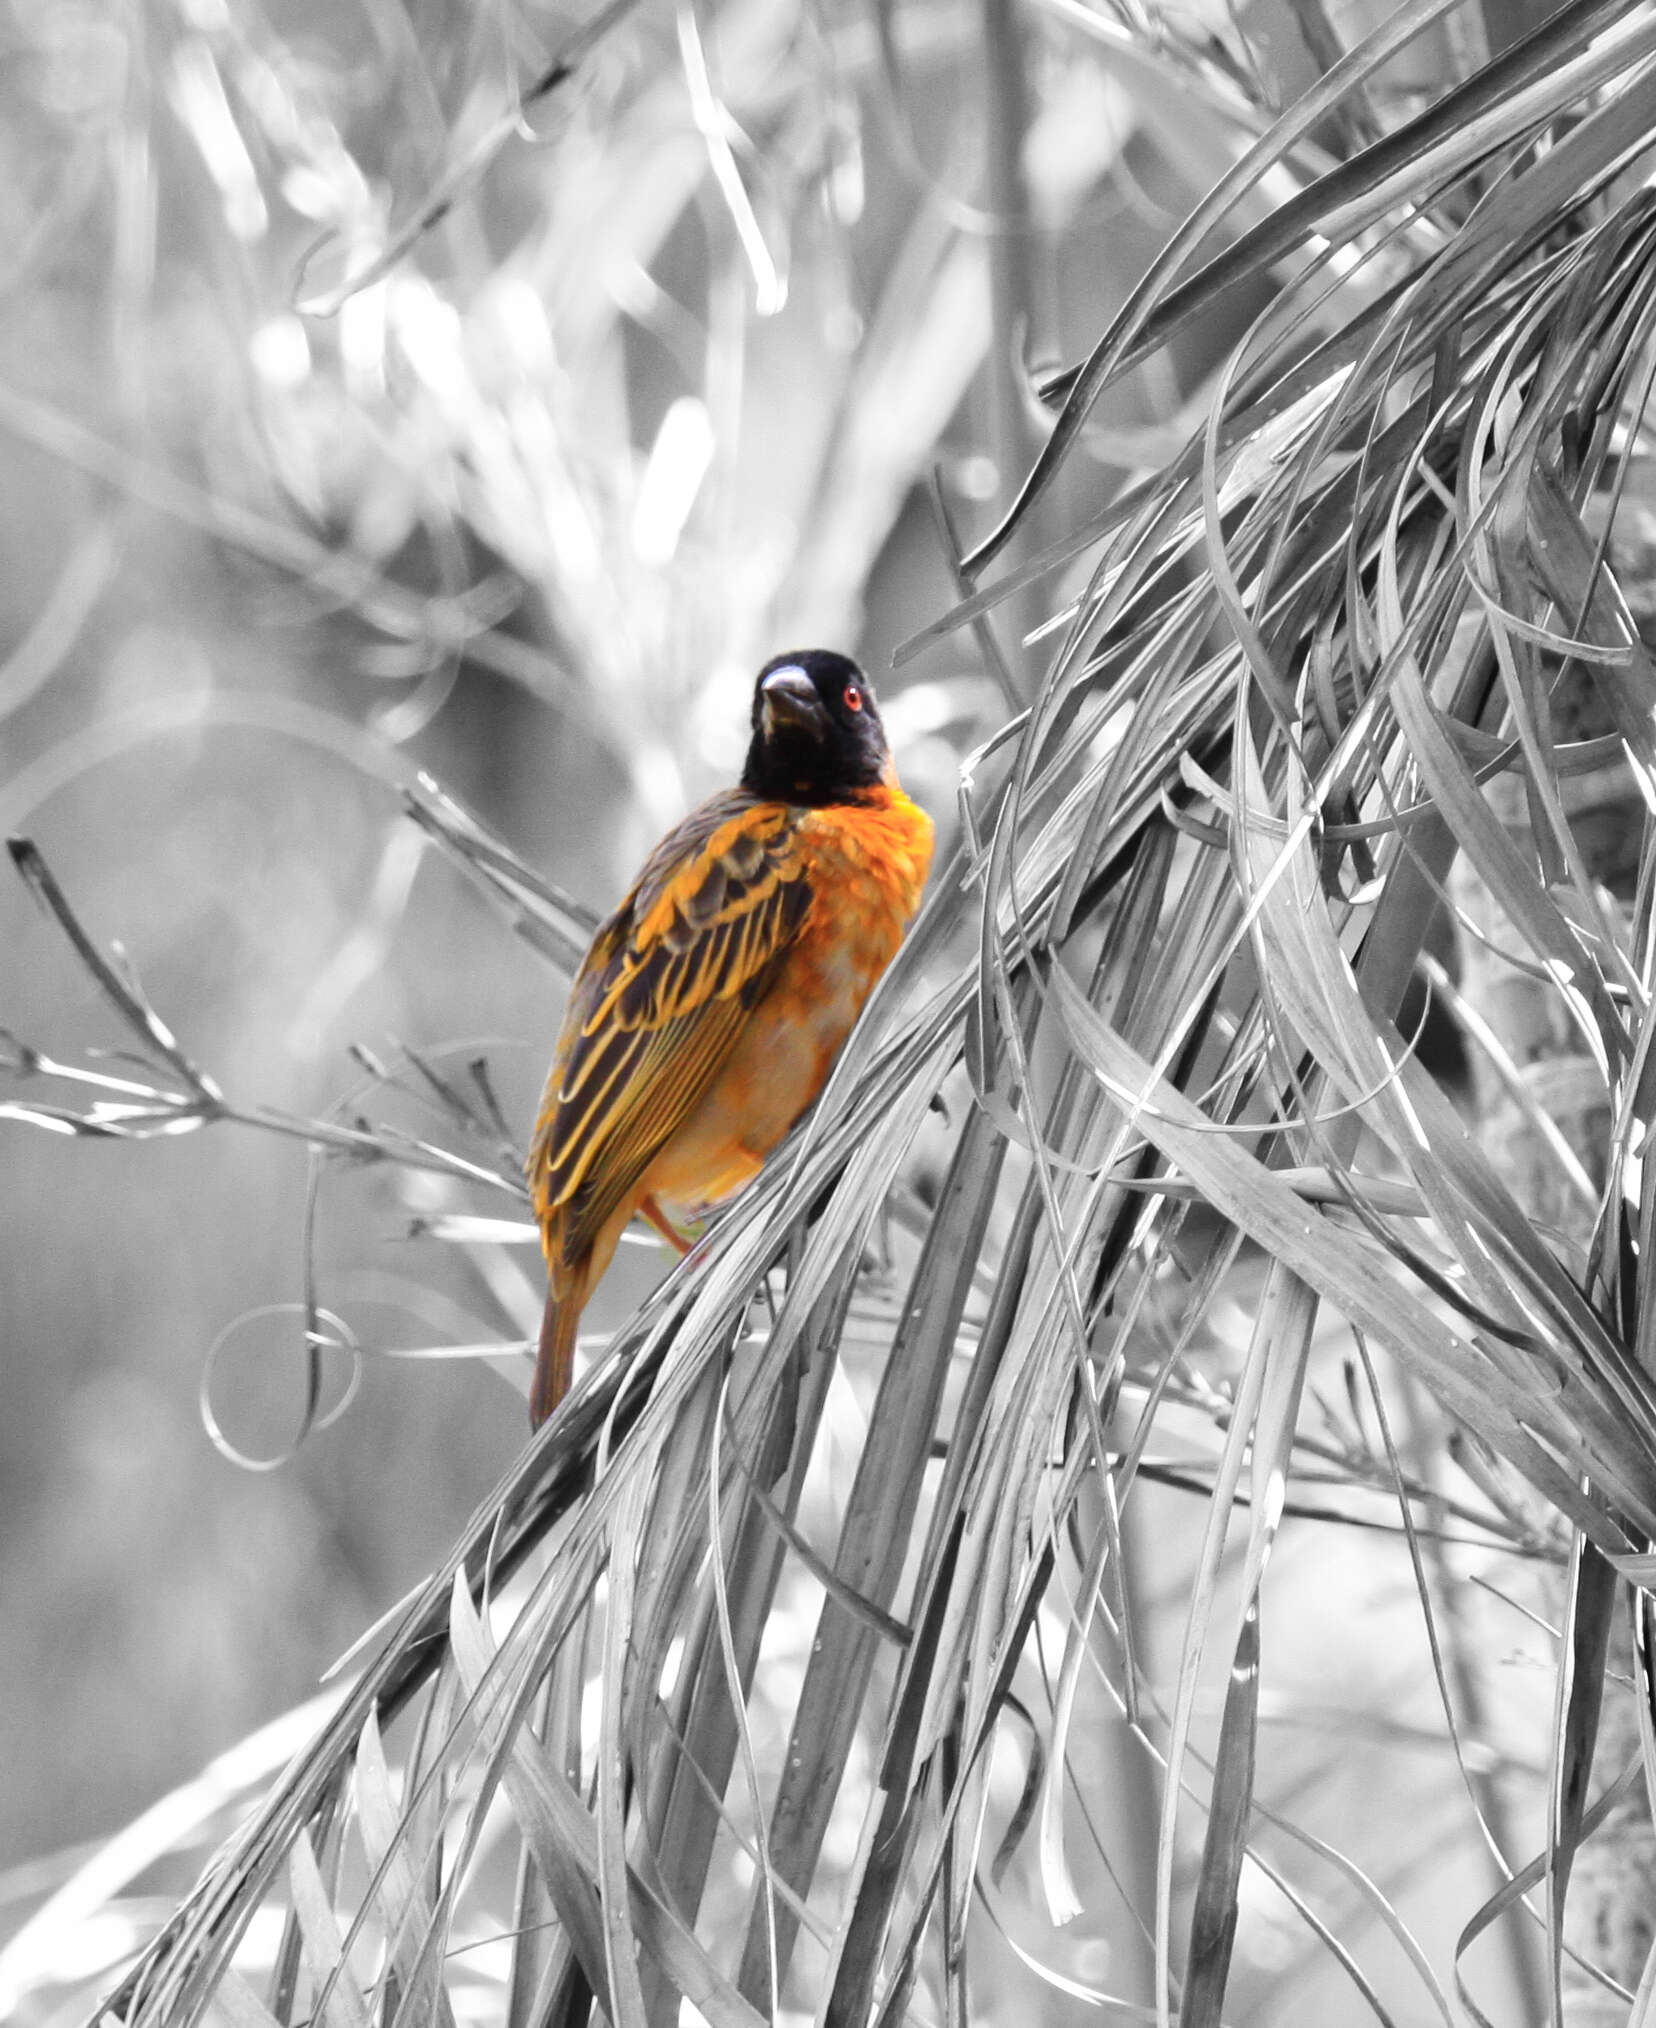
<point>555,1368</point>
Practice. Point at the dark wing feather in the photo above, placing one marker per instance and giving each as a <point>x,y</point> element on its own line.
<point>659,1002</point>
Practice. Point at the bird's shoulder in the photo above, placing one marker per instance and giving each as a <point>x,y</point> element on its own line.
<point>725,857</point>
<point>881,839</point>
<point>711,905</point>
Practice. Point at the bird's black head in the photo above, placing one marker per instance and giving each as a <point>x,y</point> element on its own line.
<point>817,736</point>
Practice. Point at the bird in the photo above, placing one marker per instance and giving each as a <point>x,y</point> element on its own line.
<point>707,1013</point>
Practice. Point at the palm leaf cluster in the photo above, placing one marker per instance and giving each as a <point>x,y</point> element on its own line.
<point>806,1666</point>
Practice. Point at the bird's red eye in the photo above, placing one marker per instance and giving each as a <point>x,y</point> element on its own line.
<point>853,697</point>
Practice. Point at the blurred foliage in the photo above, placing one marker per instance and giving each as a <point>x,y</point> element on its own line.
<point>525,511</point>
<point>486,391</point>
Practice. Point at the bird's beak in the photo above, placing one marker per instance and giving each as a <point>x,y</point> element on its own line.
<point>788,697</point>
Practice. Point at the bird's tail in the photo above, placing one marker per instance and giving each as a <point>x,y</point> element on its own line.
<point>555,1368</point>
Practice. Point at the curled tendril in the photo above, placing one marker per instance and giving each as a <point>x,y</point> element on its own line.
<point>337,1336</point>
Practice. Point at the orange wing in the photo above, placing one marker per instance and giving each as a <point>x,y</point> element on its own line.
<point>658,1003</point>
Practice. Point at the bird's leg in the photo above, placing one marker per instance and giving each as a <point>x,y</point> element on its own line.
<point>665,1226</point>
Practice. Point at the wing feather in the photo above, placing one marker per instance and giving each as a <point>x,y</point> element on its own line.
<point>658,1004</point>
